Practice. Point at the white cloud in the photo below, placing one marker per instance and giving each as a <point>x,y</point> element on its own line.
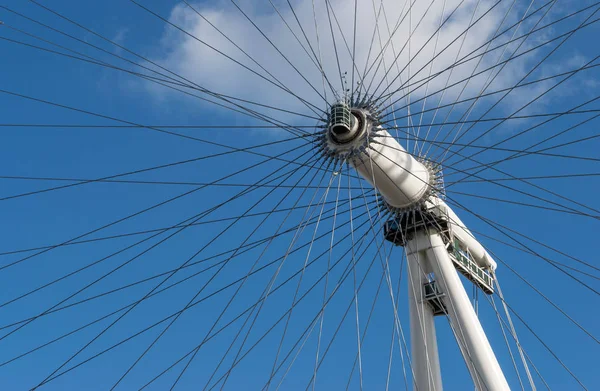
<point>200,63</point>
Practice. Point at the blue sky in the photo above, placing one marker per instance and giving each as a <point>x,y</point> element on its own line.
<point>56,216</point>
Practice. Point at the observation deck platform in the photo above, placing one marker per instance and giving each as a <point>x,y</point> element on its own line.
<point>433,296</point>
<point>406,225</point>
<point>464,263</point>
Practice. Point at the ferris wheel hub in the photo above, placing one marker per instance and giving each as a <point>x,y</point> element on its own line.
<point>347,128</point>
<point>354,136</point>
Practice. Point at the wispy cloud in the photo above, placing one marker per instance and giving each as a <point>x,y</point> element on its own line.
<point>222,41</point>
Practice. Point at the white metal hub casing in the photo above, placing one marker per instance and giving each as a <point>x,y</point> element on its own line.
<point>401,179</point>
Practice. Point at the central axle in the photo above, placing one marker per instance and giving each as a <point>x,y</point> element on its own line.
<point>401,179</point>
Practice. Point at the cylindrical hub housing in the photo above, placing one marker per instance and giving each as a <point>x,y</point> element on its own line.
<point>395,173</point>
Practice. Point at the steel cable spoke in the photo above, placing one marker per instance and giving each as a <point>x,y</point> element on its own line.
<point>512,58</point>
<point>171,79</point>
<point>315,109</point>
<point>246,247</point>
<point>50,376</point>
<point>184,224</point>
<point>260,301</point>
<point>218,271</point>
<point>271,263</point>
<point>301,227</point>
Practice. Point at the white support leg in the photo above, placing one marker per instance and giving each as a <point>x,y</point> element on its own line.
<point>425,359</point>
<point>478,354</point>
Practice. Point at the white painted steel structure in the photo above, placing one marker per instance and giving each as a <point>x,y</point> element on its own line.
<point>477,352</point>
<point>399,177</point>
<point>405,184</point>
<point>423,342</point>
